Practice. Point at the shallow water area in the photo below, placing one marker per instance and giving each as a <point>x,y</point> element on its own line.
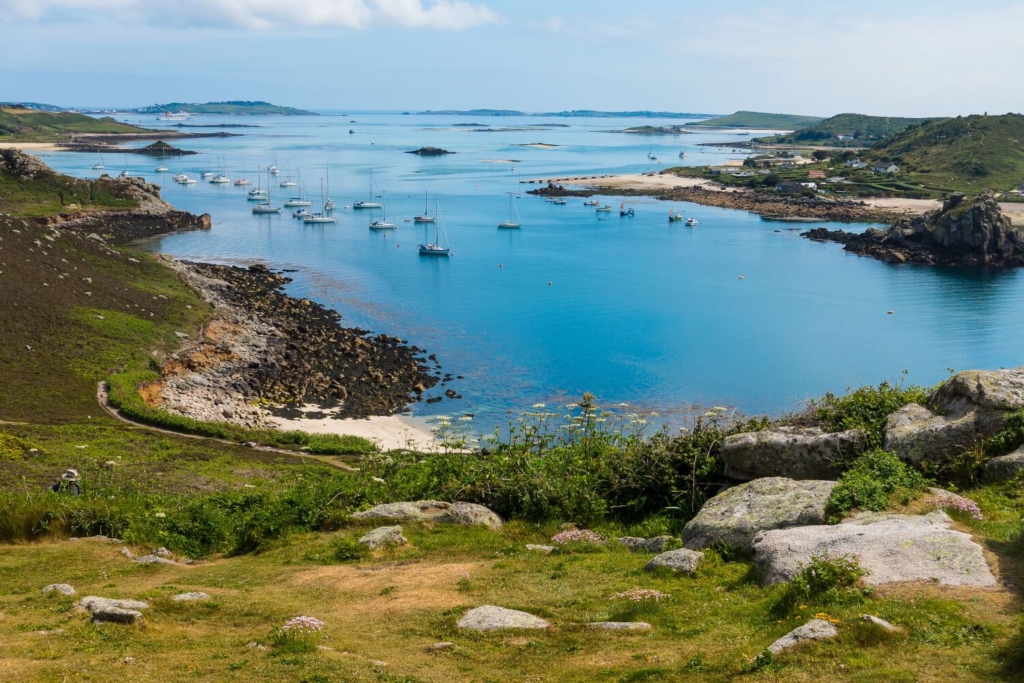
<point>736,311</point>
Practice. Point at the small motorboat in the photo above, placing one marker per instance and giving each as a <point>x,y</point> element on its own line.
<point>691,222</point>
<point>189,181</point>
<point>626,213</point>
<point>300,213</point>
<point>206,175</point>
<point>273,170</point>
<point>123,174</point>
<point>674,217</point>
<point>607,208</point>
<point>592,202</point>
<point>559,202</point>
<point>179,177</point>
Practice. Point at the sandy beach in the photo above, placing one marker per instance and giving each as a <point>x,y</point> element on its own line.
<point>31,146</point>
<point>391,432</point>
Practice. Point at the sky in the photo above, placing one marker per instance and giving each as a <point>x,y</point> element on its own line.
<point>899,58</point>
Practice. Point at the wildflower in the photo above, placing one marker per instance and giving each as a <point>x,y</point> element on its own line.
<point>160,515</point>
<point>577,535</point>
<point>303,626</point>
<point>641,595</point>
<point>959,503</point>
<point>465,418</point>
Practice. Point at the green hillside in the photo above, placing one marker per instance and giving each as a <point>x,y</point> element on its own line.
<point>866,130</point>
<point>27,125</point>
<point>230,107</point>
<point>756,119</point>
<point>966,152</point>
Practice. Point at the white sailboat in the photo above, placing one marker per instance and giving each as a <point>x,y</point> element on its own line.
<point>426,217</point>
<point>514,219</point>
<point>98,166</point>
<point>436,248</point>
<point>324,215</point>
<point>265,206</point>
<point>383,223</point>
<point>369,204</point>
<point>300,200</point>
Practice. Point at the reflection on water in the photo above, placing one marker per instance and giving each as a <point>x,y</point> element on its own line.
<point>631,309</point>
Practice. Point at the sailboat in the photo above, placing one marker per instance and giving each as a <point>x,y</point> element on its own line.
<point>514,219</point>
<point>265,206</point>
<point>426,217</point>
<point>300,200</point>
<point>329,204</point>
<point>258,194</point>
<point>592,202</point>
<point>323,216</point>
<point>607,208</point>
<point>370,204</point>
<point>383,224</point>
<point>98,166</point>
<point>436,249</point>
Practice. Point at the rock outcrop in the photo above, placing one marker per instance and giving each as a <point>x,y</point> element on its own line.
<point>492,618</point>
<point>892,548</point>
<point>113,611</point>
<point>1005,467</point>
<point>383,537</point>
<point>815,629</point>
<point>682,560</point>
<point>433,511</point>
<point>793,452</point>
<point>964,232</point>
<point>962,411</point>
<point>656,544</point>
<point>737,514</point>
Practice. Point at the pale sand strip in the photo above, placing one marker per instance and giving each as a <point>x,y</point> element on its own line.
<point>390,432</point>
<point>31,146</point>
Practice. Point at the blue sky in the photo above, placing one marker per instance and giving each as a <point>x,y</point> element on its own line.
<point>900,58</point>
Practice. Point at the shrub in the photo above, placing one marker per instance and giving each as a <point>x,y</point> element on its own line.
<point>826,580</point>
<point>871,483</point>
<point>865,408</point>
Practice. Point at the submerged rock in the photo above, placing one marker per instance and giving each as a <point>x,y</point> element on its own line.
<point>737,514</point>
<point>793,452</point>
<point>490,618</point>
<point>892,548</point>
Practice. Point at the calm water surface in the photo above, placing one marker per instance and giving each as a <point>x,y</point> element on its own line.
<point>634,310</point>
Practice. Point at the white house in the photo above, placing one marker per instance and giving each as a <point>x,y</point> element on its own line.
<point>886,167</point>
<point>855,164</point>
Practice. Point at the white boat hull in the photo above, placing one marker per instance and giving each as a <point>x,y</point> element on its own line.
<point>381,225</point>
<point>366,205</point>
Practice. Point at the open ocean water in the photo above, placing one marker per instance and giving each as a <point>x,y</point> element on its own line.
<point>634,310</point>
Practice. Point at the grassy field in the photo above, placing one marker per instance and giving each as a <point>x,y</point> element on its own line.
<point>866,129</point>
<point>29,125</point>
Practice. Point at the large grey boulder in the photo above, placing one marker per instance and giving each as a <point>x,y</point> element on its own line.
<point>384,536</point>
<point>113,611</point>
<point>892,548</point>
<point>815,629</point>
<point>793,452</point>
<point>93,602</point>
<point>490,618</point>
<point>1005,467</point>
<point>971,406</point>
<point>433,511</point>
<point>737,514</point>
<point>681,560</point>
<point>62,588</point>
<point>193,596</point>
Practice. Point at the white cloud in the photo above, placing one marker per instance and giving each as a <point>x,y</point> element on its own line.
<point>450,15</point>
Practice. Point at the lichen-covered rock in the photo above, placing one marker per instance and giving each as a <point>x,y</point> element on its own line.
<point>490,618</point>
<point>194,596</point>
<point>793,452</point>
<point>917,434</point>
<point>433,511</point>
<point>736,515</point>
<point>892,548</point>
<point>656,544</point>
<point>1005,467</point>
<point>113,611</point>
<point>971,406</point>
<point>619,626</point>
<point>815,629</point>
<point>62,588</point>
<point>681,560</point>
<point>880,623</point>
<point>384,536</point>
<point>92,602</point>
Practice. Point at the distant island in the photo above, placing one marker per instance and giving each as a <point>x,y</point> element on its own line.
<point>655,130</point>
<point>429,152</point>
<point>238,107</point>
<point>760,120</point>
<point>846,130</point>
<point>575,113</point>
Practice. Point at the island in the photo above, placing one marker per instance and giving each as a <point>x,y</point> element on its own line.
<point>846,130</point>
<point>655,130</point>
<point>429,152</point>
<point>759,120</point>
<point>236,107</point>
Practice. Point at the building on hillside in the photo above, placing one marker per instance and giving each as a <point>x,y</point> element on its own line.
<point>855,164</point>
<point>816,174</point>
<point>835,179</point>
<point>886,167</point>
<point>790,188</point>
<point>810,186</point>
<point>843,137</point>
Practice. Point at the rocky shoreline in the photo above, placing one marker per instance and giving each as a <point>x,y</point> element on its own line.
<point>770,206</point>
<point>265,353</point>
<point>964,232</point>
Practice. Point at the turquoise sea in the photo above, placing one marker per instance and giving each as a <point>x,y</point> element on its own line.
<point>635,310</point>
